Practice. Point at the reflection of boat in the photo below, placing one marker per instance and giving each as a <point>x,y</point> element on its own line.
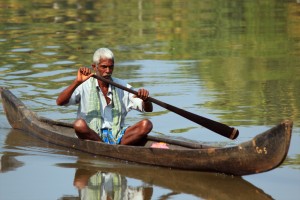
<point>264,152</point>
<point>200,184</point>
<point>8,162</point>
<point>8,156</point>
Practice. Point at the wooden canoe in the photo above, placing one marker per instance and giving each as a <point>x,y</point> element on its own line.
<point>264,152</point>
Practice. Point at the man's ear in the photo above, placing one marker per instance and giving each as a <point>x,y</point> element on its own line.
<point>94,66</point>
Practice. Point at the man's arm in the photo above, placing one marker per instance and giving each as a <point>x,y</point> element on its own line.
<point>66,94</point>
<point>148,107</point>
<point>83,74</point>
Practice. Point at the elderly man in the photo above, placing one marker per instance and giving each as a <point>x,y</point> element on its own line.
<point>102,107</point>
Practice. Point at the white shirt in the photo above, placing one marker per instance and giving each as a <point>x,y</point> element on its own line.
<point>81,96</point>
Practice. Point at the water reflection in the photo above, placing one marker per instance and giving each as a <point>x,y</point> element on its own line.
<point>203,185</point>
<point>8,162</point>
<point>103,185</point>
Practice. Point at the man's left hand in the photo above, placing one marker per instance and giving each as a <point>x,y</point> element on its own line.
<point>143,94</point>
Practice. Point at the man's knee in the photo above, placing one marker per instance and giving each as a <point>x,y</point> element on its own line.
<point>80,126</point>
<point>146,126</point>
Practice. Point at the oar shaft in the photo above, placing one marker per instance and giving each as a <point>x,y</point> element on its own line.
<point>214,126</point>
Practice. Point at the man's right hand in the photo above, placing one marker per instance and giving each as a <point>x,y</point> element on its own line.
<point>83,74</point>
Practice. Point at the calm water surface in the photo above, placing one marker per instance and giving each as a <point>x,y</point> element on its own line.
<point>237,62</point>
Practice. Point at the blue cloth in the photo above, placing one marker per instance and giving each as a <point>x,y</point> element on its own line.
<point>107,136</point>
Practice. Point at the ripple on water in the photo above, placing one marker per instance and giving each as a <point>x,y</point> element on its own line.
<point>52,47</point>
<point>63,79</point>
<point>48,53</point>
<point>50,73</point>
<point>64,62</point>
<point>5,67</point>
<point>40,65</point>
<point>22,50</point>
<point>20,72</point>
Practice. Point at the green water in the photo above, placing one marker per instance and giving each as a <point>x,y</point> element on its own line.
<point>237,62</point>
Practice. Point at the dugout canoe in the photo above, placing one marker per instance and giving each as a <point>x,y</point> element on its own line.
<point>264,152</point>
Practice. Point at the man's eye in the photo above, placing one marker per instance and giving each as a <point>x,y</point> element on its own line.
<point>104,66</point>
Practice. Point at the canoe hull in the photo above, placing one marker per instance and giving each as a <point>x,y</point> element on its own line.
<point>264,152</point>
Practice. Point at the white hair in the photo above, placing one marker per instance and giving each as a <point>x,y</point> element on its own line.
<point>102,53</point>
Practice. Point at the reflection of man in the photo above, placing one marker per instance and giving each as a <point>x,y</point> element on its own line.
<point>100,185</point>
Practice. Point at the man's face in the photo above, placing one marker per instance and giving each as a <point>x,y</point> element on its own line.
<point>105,67</point>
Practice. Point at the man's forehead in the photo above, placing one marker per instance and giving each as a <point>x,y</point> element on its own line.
<point>106,60</point>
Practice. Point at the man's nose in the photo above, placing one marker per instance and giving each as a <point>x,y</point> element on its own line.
<point>107,69</point>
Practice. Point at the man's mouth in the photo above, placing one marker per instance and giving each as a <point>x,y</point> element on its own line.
<point>107,76</point>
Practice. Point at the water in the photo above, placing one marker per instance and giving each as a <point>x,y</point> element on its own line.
<point>236,62</point>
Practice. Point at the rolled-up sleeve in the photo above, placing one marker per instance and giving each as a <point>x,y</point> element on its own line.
<point>136,103</point>
<point>75,97</point>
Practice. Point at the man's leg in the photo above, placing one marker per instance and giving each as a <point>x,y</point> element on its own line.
<point>137,132</point>
<point>84,132</point>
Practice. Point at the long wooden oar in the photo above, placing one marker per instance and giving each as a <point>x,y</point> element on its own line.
<point>214,126</point>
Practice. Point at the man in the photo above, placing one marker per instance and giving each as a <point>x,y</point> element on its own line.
<point>103,107</point>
